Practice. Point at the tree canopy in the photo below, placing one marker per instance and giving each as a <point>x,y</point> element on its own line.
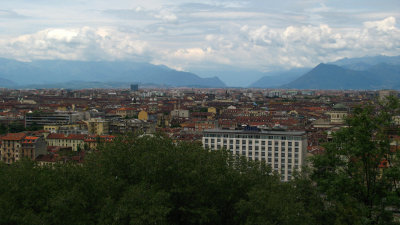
<point>358,174</point>
<point>151,180</point>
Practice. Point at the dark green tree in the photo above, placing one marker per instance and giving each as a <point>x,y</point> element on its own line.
<point>350,174</point>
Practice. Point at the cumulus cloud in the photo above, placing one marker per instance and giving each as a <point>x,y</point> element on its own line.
<point>247,46</point>
<point>74,44</point>
<point>385,25</point>
<point>308,45</point>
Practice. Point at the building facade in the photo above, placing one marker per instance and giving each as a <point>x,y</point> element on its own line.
<point>284,151</point>
<point>17,145</point>
<point>11,148</point>
<point>32,147</point>
<point>98,126</point>
<point>74,141</point>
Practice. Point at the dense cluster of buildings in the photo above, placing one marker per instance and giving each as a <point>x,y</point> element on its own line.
<point>280,127</point>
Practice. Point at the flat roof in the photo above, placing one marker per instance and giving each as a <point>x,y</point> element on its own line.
<point>268,132</point>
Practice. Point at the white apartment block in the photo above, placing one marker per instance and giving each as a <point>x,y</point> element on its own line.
<point>284,151</point>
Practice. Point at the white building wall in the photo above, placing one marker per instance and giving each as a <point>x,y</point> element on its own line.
<point>284,156</point>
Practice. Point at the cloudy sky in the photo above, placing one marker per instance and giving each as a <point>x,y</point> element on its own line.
<point>193,35</point>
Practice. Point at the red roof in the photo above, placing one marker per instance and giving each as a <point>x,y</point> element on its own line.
<point>126,109</point>
<point>56,136</point>
<point>76,136</point>
<point>13,137</point>
<point>30,140</point>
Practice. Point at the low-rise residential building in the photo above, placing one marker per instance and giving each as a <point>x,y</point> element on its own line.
<point>92,141</point>
<point>32,147</point>
<point>98,126</point>
<point>11,148</point>
<point>15,146</point>
<point>180,113</point>
<point>75,141</point>
<point>126,112</point>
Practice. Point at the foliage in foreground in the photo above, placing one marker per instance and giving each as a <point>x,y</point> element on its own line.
<point>359,173</point>
<point>150,180</point>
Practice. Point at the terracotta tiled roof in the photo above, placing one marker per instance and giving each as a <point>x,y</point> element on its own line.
<point>56,136</point>
<point>13,137</point>
<point>76,136</point>
<point>125,109</point>
<point>30,140</point>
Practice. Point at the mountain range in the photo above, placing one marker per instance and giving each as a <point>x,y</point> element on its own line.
<point>366,73</point>
<point>67,74</point>
<point>276,79</point>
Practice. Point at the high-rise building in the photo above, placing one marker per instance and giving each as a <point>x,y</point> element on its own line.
<point>284,151</point>
<point>134,87</point>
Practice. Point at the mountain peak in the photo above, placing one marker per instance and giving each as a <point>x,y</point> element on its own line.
<point>63,71</point>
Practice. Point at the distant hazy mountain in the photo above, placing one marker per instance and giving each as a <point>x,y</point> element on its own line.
<point>4,83</point>
<point>232,76</point>
<point>328,76</point>
<point>279,78</point>
<point>365,63</point>
<point>45,72</point>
